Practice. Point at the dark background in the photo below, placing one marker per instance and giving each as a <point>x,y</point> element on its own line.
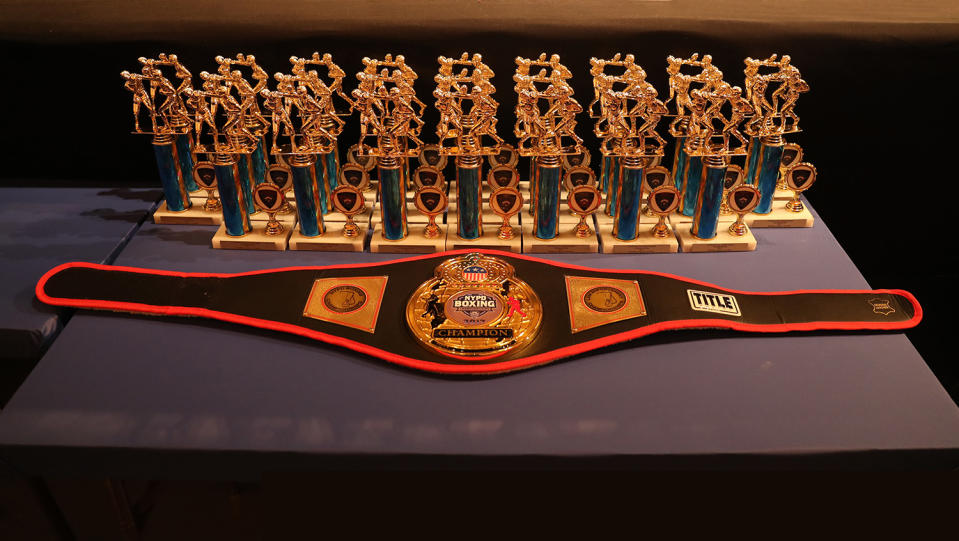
<point>879,122</point>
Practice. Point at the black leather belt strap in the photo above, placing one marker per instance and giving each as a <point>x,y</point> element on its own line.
<point>281,299</point>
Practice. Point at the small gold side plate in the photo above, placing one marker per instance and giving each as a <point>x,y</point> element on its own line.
<point>352,302</point>
<point>599,301</point>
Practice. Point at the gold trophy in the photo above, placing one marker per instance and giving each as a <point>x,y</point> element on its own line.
<point>349,201</point>
<point>306,123</point>
<point>467,131</point>
<point>256,162</point>
<point>799,178</point>
<point>431,201</point>
<point>773,86</point>
<point>584,200</point>
<point>545,126</point>
<point>707,128</point>
<point>222,132</point>
<point>390,125</point>
<point>325,79</point>
<point>506,202</point>
<point>173,139</point>
<point>627,110</point>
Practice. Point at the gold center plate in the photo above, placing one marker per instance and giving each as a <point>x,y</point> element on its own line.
<point>474,306</point>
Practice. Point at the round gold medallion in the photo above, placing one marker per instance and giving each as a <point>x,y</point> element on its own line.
<point>474,306</point>
<point>604,299</point>
<point>344,299</point>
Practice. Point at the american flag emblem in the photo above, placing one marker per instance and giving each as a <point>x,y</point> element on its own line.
<point>475,273</point>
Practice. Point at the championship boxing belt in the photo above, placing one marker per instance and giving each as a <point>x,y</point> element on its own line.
<point>470,312</point>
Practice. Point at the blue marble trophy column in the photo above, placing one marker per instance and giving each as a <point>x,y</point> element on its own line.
<point>532,185</point>
<point>612,168</point>
<point>325,184</point>
<point>236,218</point>
<point>184,150</point>
<point>709,197</point>
<point>308,211</point>
<point>679,156</point>
<point>243,166</point>
<point>469,197</point>
<point>331,168</point>
<point>752,158</point>
<point>392,198</point>
<point>171,177</point>
<point>546,202</point>
<point>629,198</point>
<point>765,172</point>
<point>259,162</point>
<point>326,169</point>
<point>692,170</point>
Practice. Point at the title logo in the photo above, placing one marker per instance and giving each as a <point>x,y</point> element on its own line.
<point>717,303</point>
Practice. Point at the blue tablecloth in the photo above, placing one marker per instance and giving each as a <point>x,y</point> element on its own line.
<point>42,227</point>
<point>134,395</point>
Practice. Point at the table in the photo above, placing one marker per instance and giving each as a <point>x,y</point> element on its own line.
<point>135,396</point>
<point>41,227</point>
